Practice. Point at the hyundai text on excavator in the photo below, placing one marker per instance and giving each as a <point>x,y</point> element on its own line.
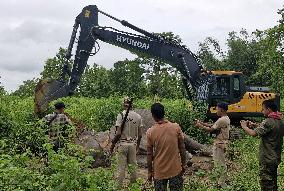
<point>209,86</point>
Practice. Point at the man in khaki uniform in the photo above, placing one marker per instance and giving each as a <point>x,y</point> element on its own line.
<point>221,128</point>
<point>128,143</point>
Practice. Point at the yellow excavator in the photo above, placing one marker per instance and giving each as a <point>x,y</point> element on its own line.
<point>202,85</point>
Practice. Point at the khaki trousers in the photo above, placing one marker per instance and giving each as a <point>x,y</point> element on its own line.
<point>219,151</point>
<point>126,156</point>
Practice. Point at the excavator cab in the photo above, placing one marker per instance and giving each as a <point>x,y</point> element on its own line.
<point>228,87</point>
<point>243,101</point>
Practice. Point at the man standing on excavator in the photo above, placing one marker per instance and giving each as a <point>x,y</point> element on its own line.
<point>128,135</point>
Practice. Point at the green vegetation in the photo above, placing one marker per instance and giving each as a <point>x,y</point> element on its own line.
<point>243,169</point>
<point>28,163</point>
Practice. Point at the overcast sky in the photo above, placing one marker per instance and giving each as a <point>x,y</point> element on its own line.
<point>33,30</point>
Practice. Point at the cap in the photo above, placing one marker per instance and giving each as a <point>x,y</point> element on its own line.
<point>223,105</point>
<point>126,100</point>
<point>59,105</point>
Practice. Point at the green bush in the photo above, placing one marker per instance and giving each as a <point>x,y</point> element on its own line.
<point>28,163</point>
<point>100,114</point>
<point>97,114</point>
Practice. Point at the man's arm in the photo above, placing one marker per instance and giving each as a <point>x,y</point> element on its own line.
<point>116,138</point>
<point>139,138</point>
<point>248,131</point>
<point>68,120</point>
<point>182,151</point>
<point>150,158</point>
<point>203,127</point>
<point>261,130</point>
<point>206,124</point>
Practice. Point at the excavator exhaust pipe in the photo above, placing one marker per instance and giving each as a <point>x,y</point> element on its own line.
<point>48,90</point>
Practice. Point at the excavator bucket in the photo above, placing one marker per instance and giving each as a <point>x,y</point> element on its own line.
<point>48,90</point>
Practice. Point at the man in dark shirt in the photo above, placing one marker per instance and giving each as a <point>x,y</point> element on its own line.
<point>271,131</point>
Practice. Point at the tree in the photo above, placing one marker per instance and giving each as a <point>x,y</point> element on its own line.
<point>2,90</point>
<point>243,53</point>
<point>162,79</point>
<point>53,66</point>
<point>27,88</point>
<point>95,82</point>
<point>211,55</point>
<point>271,59</point>
<point>127,78</point>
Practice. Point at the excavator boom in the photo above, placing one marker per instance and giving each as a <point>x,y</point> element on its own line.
<point>146,43</point>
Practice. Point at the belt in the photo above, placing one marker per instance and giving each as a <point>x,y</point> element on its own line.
<point>128,140</point>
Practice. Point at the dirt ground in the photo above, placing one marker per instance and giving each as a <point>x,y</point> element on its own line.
<point>198,163</point>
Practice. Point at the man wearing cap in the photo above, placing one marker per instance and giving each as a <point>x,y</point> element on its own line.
<point>221,129</point>
<point>55,121</point>
<point>129,141</point>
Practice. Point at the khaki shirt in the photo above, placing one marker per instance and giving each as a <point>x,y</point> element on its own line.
<point>133,125</point>
<point>223,125</point>
<point>271,132</point>
<point>163,138</point>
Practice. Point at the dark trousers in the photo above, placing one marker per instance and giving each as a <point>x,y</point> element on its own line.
<point>268,177</point>
<point>175,184</point>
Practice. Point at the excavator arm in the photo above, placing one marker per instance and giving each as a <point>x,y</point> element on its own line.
<point>149,44</point>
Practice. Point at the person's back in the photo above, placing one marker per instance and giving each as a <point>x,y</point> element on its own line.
<point>166,156</point>
<point>164,138</point>
<point>132,125</point>
<point>57,119</point>
<point>128,137</point>
<point>54,122</point>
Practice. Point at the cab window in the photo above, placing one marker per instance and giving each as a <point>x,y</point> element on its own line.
<point>221,87</point>
<point>237,92</point>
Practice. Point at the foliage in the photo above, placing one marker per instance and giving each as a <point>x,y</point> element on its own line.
<point>258,55</point>
<point>163,80</point>
<point>28,163</point>
<point>19,128</point>
<point>242,53</point>
<point>53,66</point>
<point>95,82</point>
<point>208,53</point>
<point>2,90</point>
<point>27,88</point>
<point>61,171</point>
<point>127,78</point>
<point>271,61</point>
